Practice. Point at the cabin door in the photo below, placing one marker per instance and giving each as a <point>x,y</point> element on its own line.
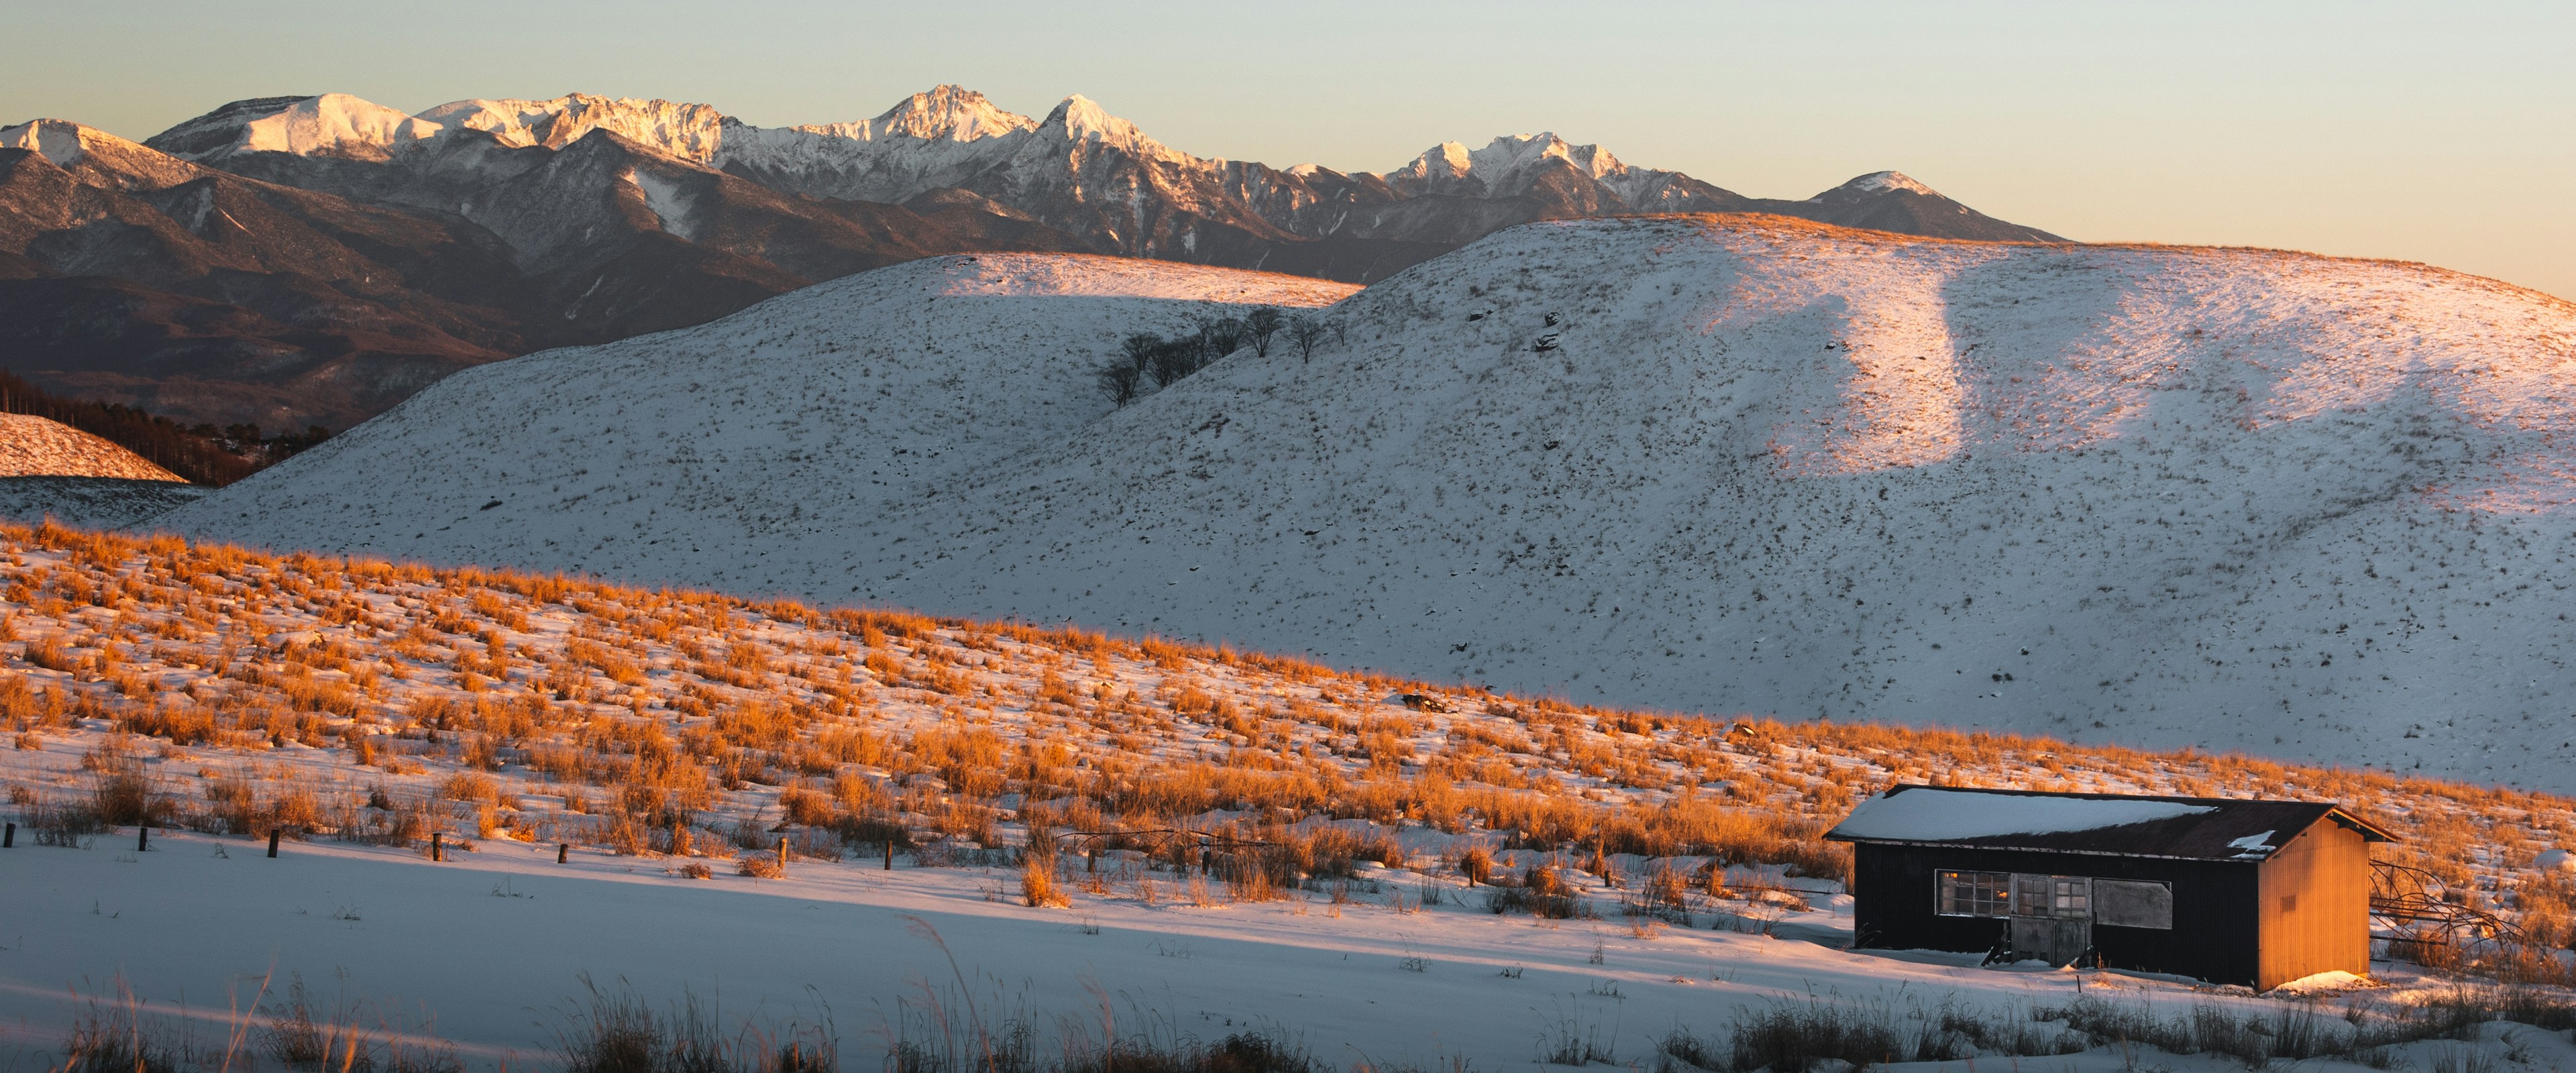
<point>2052,918</point>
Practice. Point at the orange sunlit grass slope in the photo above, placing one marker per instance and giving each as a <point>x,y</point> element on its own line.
<point>235,691</point>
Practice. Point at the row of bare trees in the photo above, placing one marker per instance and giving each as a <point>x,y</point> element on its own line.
<point>1144,356</point>
<point>202,454</point>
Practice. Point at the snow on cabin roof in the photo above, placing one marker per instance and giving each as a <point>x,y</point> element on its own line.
<point>1936,815</point>
<point>2201,828</point>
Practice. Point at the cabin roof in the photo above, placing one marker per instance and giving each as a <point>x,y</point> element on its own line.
<point>2127,825</point>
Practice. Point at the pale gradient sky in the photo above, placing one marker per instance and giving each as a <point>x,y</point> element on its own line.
<point>2433,132</point>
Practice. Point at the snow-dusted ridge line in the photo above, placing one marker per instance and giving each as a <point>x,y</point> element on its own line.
<point>927,141</point>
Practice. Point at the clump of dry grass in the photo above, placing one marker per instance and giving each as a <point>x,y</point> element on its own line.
<point>1038,886</point>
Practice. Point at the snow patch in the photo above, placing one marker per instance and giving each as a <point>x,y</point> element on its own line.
<point>669,203</point>
<point>2330,982</point>
<point>2253,845</point>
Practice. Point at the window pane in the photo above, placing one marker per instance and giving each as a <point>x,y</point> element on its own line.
<point>2072,898</point>
<point>1979,894</point>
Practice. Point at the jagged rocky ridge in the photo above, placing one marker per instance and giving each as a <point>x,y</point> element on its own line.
<point>133,276</point>
<point>1079,169</point>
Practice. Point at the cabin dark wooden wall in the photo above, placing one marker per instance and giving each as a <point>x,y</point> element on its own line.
<point>2216,935</point>
<point>2315,906</point>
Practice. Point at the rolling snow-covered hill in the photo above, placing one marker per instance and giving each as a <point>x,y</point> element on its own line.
<point>849,399</point>
<point>2239,499</point>
<point>32,446</point>
<point>50,469</point>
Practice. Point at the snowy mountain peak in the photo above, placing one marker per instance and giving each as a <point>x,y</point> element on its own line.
<point>689,131</point>
<point>219,129</point>
<point>949,113</point>
<point>1510,155</point>
<point>332,124</point>
<point>58,140</point>
<point>1503,166</point>
<point>1083,120</point>
<point>1447,160</point>
<point>1880,182</point>
<point>328,125</point>
<point>97,157</point>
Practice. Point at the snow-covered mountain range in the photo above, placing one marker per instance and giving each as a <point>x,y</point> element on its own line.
<point>311,260</point>
<point>1079,169</point>
<point>133,276</point>
<point>2238,499</point>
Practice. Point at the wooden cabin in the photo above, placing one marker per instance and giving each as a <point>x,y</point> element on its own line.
<point>2258,893</point>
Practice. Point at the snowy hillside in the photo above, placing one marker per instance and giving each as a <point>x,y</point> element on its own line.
<point>2305,507</point>
<point>94,502</point>
<point>32,446</point>
<point>844,401</point>
<point>51,470</point>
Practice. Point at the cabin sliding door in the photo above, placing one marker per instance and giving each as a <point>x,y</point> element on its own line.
<point>2052,917</point>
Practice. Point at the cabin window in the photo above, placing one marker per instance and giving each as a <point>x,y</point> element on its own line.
<point>2064,897</point>
<point>2133,904</point>
<point>1976,894</point>
<point>2070,899</point>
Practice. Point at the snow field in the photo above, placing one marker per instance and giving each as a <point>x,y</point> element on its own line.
<point>488,951</point>
<point>92,502</point>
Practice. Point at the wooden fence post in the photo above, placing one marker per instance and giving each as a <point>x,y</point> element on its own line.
<point>9,838</point>
<point>889,857</point>
<point>437,846</point>
<point>782,856</point>
<point>563,852</point>
<point>142,838</point>
<point>272,840</point>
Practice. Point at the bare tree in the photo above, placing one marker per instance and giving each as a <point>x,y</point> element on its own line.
<point>1138,348</point>
<point>1120,380</point>
<point>1306,332</point>
<point>1221,337</point>
<point>1175,358</point>
<point>1261,324</point>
